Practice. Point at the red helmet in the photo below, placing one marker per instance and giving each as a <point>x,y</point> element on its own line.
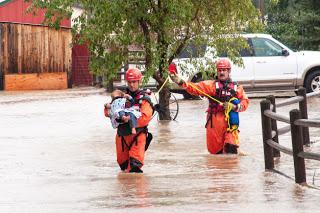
<point>223,64</point>
<point>133,74</point>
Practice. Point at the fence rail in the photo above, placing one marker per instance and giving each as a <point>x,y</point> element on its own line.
<point>307,123</point>
<point>298,126</point>
<point>276,116</point>
<point>277,146</point>
<point>289,101</point>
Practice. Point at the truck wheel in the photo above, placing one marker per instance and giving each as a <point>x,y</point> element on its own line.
<point>312,82</point>
<point>195,79</point>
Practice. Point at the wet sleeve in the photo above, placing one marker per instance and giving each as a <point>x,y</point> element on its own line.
<point>244,100</point>
<point>207,87</point>
<point>146,114</point>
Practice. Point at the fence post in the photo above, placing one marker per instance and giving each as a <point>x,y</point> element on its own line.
<point>297,147</point>
<point>274,127</point>
<point>266,134</point>
<point>303,107</point>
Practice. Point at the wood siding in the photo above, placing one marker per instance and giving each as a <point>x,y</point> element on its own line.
<point>35,81</point>
<point>34,49</point>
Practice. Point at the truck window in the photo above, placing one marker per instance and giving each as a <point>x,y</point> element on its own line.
<point>193,51</point>
<point>264,47</point>
<point>243,52</point>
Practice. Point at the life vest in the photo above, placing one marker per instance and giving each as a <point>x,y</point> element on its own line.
<point>224,92</point>
<point>138,96</point>
<point>125,130</point>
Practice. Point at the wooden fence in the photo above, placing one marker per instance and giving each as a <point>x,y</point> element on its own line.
<point>298,125</point>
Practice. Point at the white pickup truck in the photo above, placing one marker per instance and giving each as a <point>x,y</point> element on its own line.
<point>269,65</point>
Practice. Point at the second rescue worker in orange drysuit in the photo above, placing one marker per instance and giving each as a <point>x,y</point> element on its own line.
<point>219,138</point>
<point>131,147</point>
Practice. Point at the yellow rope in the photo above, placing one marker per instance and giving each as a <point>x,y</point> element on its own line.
<point>227,115</point>
<point>205,94</point>
<point>164,83</point>
<point>226,111</point>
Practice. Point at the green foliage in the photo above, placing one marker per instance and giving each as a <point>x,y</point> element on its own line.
<point>160,28</point>
<point>295,22</point>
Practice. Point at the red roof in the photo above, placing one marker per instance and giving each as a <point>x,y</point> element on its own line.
<point>14,11</point>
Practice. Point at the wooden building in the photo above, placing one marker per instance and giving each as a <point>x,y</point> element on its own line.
<point>32,56</point>
<point>81,75</point>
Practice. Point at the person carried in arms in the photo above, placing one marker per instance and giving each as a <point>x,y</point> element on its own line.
<point>222,115</point>
<point>121,110</point>
<point>131,147</point>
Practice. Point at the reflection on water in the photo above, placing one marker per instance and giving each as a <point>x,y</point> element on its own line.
<point>163,131</point>
<point>227,166</point>
<point>58,155</point>
<point>228,162</point>
<point>134,189</point>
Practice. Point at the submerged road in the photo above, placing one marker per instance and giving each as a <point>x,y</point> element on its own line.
<point>58,155</point>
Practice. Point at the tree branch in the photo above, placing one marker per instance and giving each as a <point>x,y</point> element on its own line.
<point>181,45</point>
<point>153,6</point>
<point>186,38</point>
<point>147,41</point>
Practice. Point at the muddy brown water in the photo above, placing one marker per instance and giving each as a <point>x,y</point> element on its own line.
<point>58,155</point>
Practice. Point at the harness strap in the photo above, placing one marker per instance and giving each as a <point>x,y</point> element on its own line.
<point>123,142</point>
<point>134,140</point>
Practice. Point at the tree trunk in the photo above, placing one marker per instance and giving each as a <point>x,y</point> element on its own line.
<point>164,97</point>
<point>109,86</point>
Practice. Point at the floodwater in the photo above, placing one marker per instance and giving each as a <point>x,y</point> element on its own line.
<point>58,155</point>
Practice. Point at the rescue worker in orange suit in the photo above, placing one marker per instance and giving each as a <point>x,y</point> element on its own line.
<point>220,139</point>
<point>131,147</point>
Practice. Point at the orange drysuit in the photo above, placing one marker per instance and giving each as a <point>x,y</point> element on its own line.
<point>217,134</point>
<point>131,148</point>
